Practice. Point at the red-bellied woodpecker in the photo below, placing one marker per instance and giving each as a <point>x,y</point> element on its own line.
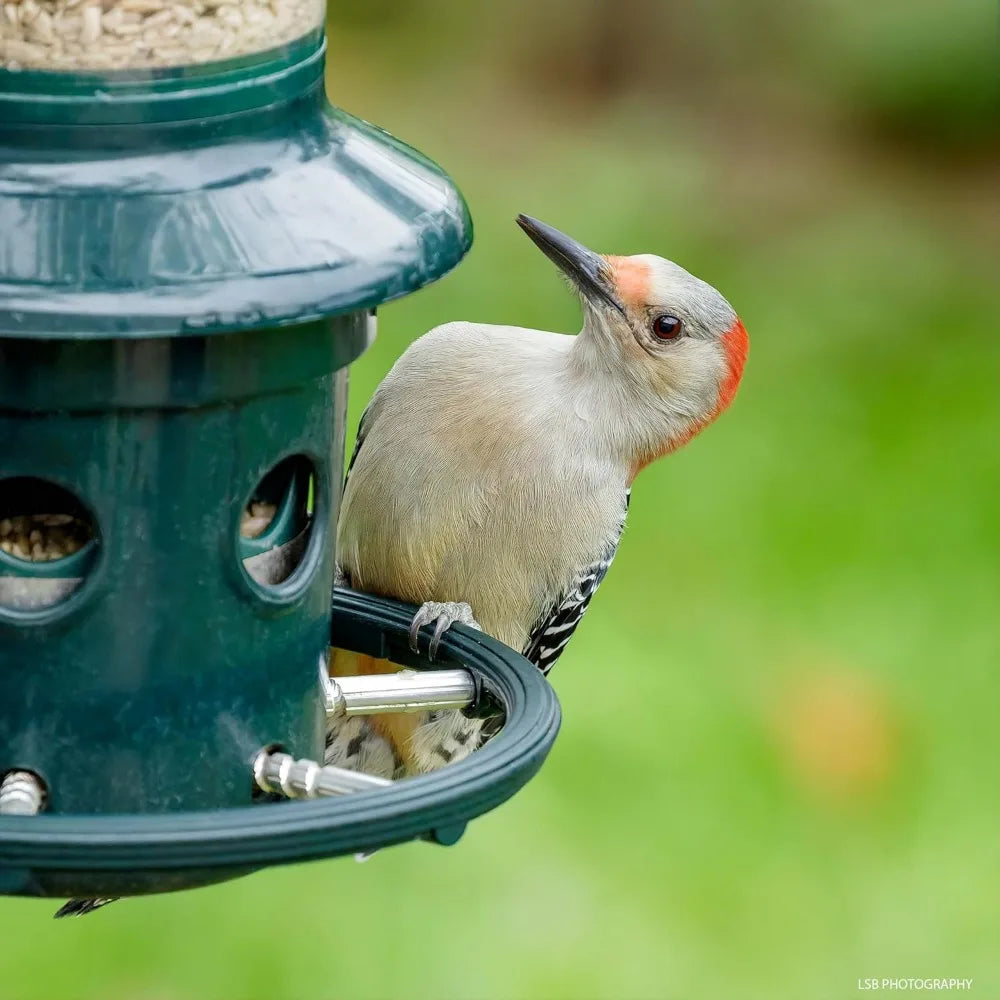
<point>494,465</point>
<point>493,470</point>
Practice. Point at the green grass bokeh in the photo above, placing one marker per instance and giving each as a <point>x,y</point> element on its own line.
<point>778,770</point>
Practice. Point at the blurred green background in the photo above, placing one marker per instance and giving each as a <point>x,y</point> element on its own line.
<point>779,765</point>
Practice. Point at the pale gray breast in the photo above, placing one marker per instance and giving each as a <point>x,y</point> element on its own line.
<point>472,482</point>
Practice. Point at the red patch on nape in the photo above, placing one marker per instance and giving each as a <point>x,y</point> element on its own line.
<point>632,280</point>
<point>736,346</point>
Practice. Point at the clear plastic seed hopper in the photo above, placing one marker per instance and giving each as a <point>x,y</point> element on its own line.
<point>192,247</point>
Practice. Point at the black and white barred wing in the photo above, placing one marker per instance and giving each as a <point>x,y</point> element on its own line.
<point>556,627</point>
<point>362,431</point>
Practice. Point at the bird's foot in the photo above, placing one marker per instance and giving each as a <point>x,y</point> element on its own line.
<point>445,614</point>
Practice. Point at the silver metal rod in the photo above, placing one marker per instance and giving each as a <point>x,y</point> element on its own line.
<point>21,794</point>
<point>281,774</point>
<point>405,691</point>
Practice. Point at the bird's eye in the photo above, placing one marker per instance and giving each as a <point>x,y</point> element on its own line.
<point>667,327</point>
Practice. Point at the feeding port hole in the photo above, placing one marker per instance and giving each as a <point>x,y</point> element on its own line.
<point>48,541</point>
<point>276,522</point>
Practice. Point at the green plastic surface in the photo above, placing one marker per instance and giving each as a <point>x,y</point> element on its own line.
<point>145,689</point>
<point>226,217</point>
<point>114,855</point>
<point>188,261</point>
<point>196,93</point>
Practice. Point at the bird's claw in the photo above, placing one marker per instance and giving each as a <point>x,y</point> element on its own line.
<point>445,614</point>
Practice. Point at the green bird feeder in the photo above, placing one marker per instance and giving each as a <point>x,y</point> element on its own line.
<point>193,244</point>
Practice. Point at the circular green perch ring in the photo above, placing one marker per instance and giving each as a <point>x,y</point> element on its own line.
<point>48,855</point>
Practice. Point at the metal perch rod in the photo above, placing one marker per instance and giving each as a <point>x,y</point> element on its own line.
<point>405,691</point>
<point>281,774</point>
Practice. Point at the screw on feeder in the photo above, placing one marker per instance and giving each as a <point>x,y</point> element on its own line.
<point>21,794</point>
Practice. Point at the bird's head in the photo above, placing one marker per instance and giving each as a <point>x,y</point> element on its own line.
<point>673,337</point>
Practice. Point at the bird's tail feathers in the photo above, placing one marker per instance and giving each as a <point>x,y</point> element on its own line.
<point>81,907</point>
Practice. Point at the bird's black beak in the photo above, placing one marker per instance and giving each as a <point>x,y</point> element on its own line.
<point>587,270</point>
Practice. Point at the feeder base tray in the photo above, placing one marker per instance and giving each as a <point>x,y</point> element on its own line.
<point>59,856</point>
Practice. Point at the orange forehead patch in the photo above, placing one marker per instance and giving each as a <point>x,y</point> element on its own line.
<point>632,280</point>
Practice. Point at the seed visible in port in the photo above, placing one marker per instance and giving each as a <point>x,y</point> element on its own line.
<point>43,537</point>
<point>256,519</point>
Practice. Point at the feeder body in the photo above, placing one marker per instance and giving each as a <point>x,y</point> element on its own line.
<point>156,681</point>
<point>191,253</point>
